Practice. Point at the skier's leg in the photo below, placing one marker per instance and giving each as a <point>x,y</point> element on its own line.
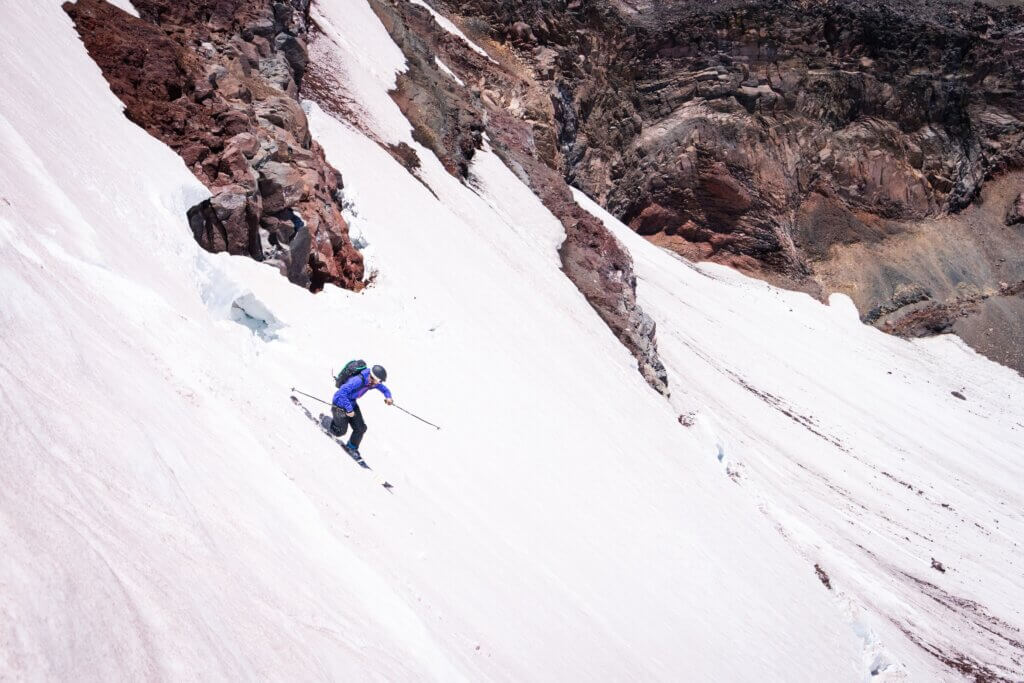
<point>339,425</point>
<point>358,427</point>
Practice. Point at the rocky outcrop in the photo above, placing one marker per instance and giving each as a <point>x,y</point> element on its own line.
<point>218,81</point>
<point>780,137</point>
<point>443,119</point>
<point>450,120</point>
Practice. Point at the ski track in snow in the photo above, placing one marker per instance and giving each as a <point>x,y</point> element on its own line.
<point>166,512</point>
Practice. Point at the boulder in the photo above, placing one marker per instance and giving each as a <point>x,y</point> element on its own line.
<point>238,219</point>
<point>262,46</point>
<point>234,121</point>
<point>281,226</point>
<point>522,33</point>
<point>282,186</point>
<point>264,27</point>
<point>235,166</point>
<point>193,153</point>
<point>247,143</point>
<point>294,50</point>
<point>285,113</point>
<point>247,52</point>
<point>1015,214</point>
<point>231,87</point>
<point>283,15</point>
<point>277,71</point>
<point>227,221</point>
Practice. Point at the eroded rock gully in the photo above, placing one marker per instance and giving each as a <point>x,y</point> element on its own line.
<point>860,146</point>
<point>218,81</point>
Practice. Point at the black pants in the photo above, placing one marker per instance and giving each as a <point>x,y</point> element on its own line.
<point>341,421</point>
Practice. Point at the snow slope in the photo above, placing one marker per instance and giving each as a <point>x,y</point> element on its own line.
<point>909,498</point>
<point>167,512</point>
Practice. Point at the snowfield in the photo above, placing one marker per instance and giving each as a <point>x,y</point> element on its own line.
<point>167,512</point>
<point>853,443</point>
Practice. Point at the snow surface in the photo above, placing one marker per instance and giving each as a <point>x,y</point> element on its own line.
<point>167,512</point>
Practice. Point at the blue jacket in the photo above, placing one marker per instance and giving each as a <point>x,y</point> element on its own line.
<point>355,387</point>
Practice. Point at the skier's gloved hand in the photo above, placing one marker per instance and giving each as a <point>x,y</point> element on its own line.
<point>388,401</point>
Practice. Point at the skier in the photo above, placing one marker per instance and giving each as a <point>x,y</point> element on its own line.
<point>346,411</point>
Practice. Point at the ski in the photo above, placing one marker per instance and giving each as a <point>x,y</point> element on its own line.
<point>323,422</point>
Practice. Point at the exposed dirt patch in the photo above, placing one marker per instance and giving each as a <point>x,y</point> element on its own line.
<point>823,577</point>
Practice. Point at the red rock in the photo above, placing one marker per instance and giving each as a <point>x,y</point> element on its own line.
<point>285,113</point>
<point>262,46</point>
<point>184,72</point>
<point>234,164</point>
<point>247,143</point>
<point>193,153</point>
<point>654,219</point>
<point>277,183</point>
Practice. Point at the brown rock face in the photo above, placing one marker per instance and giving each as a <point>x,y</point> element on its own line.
<point>776,136</point>
<point>218,81</point>
<point>733,112</point>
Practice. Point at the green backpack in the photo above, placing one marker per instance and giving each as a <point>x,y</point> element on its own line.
<point>351,369</point>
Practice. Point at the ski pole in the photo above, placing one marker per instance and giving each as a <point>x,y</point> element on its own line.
<point>312,397</point>
<point>414,415</point>
<point>392,403</point>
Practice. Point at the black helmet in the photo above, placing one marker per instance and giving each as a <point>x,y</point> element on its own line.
<point>379,373</point>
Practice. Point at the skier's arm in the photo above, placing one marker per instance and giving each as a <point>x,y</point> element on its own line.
<point>382,388</point>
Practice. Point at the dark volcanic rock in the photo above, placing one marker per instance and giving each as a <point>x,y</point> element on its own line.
<point>732,115</point>
<point>217,80</point>
<point>435,105</point>
<point>782,137</point>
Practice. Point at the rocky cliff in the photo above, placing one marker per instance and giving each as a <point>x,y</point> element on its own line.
<point>858,146</point>
<point>218,81</point>
<point>865,147</point>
